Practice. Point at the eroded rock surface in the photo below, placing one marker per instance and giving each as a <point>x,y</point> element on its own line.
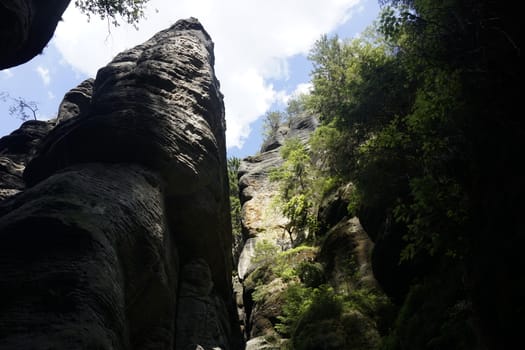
<point>127,190</point>
<point>15,151</point>
<point>277,276</point>
<point>79,271</point>
<point>261,219</point>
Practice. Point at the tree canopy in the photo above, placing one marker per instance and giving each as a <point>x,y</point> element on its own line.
<point>420,115</point>
<point>131,11</point>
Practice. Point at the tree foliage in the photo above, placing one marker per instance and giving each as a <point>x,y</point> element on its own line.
<point>235,203</point>
<point>296,194</point>
<point>419,117</point>
<point>131,11</point>
<point>271,123</point>
<point>389,126</point>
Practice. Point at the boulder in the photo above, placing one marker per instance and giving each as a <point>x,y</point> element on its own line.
<point>346,254</point>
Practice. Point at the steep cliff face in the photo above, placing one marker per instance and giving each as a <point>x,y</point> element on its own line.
<point>261,219</point>
<point>122,239</point>
<point>327,281</point>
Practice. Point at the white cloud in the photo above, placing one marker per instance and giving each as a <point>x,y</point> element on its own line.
<point>7,73</point>
<point>303,88</point>
<point>253,40</point>
<point>51,95</point>
<point>44,74</point>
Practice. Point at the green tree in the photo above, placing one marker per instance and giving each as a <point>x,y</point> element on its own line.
<point>296,107</point>
<point>271,123</point>
<point>424,118</point>
<point>131,11</point>
<point>295,177</point>
<point>235,203</point>
<point>358,88</point>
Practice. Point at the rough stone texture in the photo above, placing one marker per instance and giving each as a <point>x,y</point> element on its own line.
<point>76,102</point>
<point>351,330</point>
<point>128,187</point>
<point>245,265</point>
<point>15,151</point>
<point>262,220</point>
<point>238,292</point>
<point>259,343</point>
<point>78,270</point>
<point>263,315</point>
<point>300,127</point>
<point>395,277</point>
<point>201,315</point>
<point>343,260</point>
<point>158,105</point>
<point>26,26</point>
<point>347,254</point>
<point>334,208</point>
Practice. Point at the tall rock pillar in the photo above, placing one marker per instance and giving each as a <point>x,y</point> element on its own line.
<point>126,211</point>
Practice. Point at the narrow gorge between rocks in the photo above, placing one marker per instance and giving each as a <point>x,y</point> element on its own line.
<point>115,222</point>
<point>382,211</point>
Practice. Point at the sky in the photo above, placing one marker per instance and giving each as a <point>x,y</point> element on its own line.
<point>261,50</point>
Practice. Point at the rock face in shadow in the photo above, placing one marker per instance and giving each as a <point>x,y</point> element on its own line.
<point>124,193</point>
<point>15,151</point>
<point>78,271</point>
<point>26,28</point>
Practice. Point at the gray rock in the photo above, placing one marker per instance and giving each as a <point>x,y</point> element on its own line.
<point>201,314</point>
<point>263,221</point>
<point>80,269</point>
<point>259,343</point>
<point>347,242</point>
<point>245,265</point>
<point>158,105</point>
<point>76,102</point>
<point>130,185</point>
<point>15,151</point>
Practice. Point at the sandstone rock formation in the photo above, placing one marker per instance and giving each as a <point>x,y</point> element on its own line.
<point>261,219</point>
<point>122,239</point>
<point>15,150</point>
<point>340,265</point>
<point>26,28</point>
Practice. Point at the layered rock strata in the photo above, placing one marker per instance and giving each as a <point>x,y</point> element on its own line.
<point>123,238</point>
<point>15,151</point>
<point>261,219</point>
<point>342,261</point>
